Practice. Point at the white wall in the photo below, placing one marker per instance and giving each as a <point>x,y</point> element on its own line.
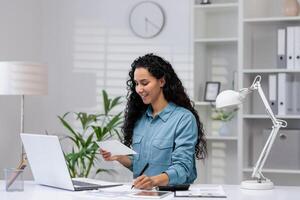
<point>48,31</point>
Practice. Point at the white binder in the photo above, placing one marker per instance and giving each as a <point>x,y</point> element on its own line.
<point>290,61</point>
<point>285,100</point>
<point>281,48</point>
<point>297,47</point>
<point>296,94</point>
<point>273,93</point>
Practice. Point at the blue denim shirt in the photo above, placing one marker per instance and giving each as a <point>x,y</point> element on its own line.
<point>167,142</point>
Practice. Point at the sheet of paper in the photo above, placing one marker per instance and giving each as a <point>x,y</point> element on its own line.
<point>115,147</point>
<point>107,194</point>
<point>125,192</point>
<point>205,191</point>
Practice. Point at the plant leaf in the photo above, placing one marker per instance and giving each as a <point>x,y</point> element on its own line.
<point>115,102</point>
<point>106,101</point>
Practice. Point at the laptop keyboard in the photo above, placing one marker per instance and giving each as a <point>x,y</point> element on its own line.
<point>83,184</point>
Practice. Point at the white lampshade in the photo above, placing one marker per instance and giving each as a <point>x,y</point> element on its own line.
<point>23,78</point>
<point>228,98</point>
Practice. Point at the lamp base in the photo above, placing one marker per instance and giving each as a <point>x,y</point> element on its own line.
<point>255,185</point>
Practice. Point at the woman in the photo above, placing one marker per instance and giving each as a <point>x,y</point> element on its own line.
<point>161,125</point>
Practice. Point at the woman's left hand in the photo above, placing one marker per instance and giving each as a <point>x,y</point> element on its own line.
<point>144,182</point>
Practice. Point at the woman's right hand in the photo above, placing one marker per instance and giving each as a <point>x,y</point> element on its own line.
<point>107,155</point>
<point>123,159</point>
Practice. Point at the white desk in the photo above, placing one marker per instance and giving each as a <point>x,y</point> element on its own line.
<point>233,192</point>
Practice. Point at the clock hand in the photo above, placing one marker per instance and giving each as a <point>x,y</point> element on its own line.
<point>152,23</point>
<point>146,24</point>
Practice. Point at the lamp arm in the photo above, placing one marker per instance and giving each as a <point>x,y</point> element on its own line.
<point>266,104</point>
<point>257,170</point>
<point>277,124</point>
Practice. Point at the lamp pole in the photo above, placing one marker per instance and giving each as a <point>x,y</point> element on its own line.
<point>23,154</point>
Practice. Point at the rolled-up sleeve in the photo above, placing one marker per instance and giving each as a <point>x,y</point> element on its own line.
<point>131,159</point>
<point>183,156</point>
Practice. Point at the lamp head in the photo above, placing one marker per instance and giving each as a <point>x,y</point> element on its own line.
<point>23,78</point>
<point>228,98</point>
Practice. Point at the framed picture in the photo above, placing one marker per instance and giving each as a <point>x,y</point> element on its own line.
<point>205,2</point>
<point>212,90</point>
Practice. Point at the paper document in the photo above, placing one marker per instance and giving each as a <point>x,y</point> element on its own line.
<point>125,191</point>
<point>113,192</point>
<point>205,191</point>
<point>115,147</point>
<point>107,194</point>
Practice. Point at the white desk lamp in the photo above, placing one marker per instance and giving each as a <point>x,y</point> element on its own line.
<point>23,78</point>
<point>229,98</point>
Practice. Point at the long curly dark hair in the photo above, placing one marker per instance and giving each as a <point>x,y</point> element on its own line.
<point>173,91</point>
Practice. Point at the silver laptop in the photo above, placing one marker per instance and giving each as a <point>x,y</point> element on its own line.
<point>48,164</point>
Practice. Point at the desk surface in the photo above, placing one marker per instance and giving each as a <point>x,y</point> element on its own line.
<point>233,192</point>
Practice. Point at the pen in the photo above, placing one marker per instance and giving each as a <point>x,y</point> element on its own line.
<point>143,170</point>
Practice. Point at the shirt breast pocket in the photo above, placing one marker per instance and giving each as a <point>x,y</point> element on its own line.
<point>161,151</point>
<point>136,145</point>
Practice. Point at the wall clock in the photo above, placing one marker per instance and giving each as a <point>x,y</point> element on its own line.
<point>147,19</point>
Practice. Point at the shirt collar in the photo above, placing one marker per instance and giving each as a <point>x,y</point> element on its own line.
<point>165,113</point>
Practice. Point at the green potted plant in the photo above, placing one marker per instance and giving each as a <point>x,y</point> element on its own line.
<point>222,120</point>
<point>93,128</point>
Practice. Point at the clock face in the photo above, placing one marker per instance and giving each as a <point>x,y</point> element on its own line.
<point>147,19</point>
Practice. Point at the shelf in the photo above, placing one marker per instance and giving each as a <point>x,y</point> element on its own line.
<point>204,103</point>
<point>269,71</point>
<point>278,171</point>
<point>240,36</point>
<point>222,138</point>
<point>216,40</point>
<point>217,6</point>
<point>271,19</point>
<point>261,116</point>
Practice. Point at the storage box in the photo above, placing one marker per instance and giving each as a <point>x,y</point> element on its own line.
<point>285,152</point>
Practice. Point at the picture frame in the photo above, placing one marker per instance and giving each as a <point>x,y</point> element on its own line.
<point>212,89</point>
<point>205,2</point>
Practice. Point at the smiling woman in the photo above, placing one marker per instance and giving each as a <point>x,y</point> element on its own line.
<point>161,126</point>
<point>149,89</point>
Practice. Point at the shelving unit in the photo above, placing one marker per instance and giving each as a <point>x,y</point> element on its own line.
<point>216,40</point>
<point>203,103</point>
<point>216,59</point>
<point>217,6</point>
<point>271,19</point>
<point>240,36</point>
<point>221,138</point>
<point>279,171</point>
<point>258,55</point>
<point>269,71</point>
<point>261,116</point>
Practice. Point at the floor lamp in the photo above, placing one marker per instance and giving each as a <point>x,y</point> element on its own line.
<point>22,78</point>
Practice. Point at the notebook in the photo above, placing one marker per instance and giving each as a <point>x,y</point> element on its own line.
<point>48,164</point>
